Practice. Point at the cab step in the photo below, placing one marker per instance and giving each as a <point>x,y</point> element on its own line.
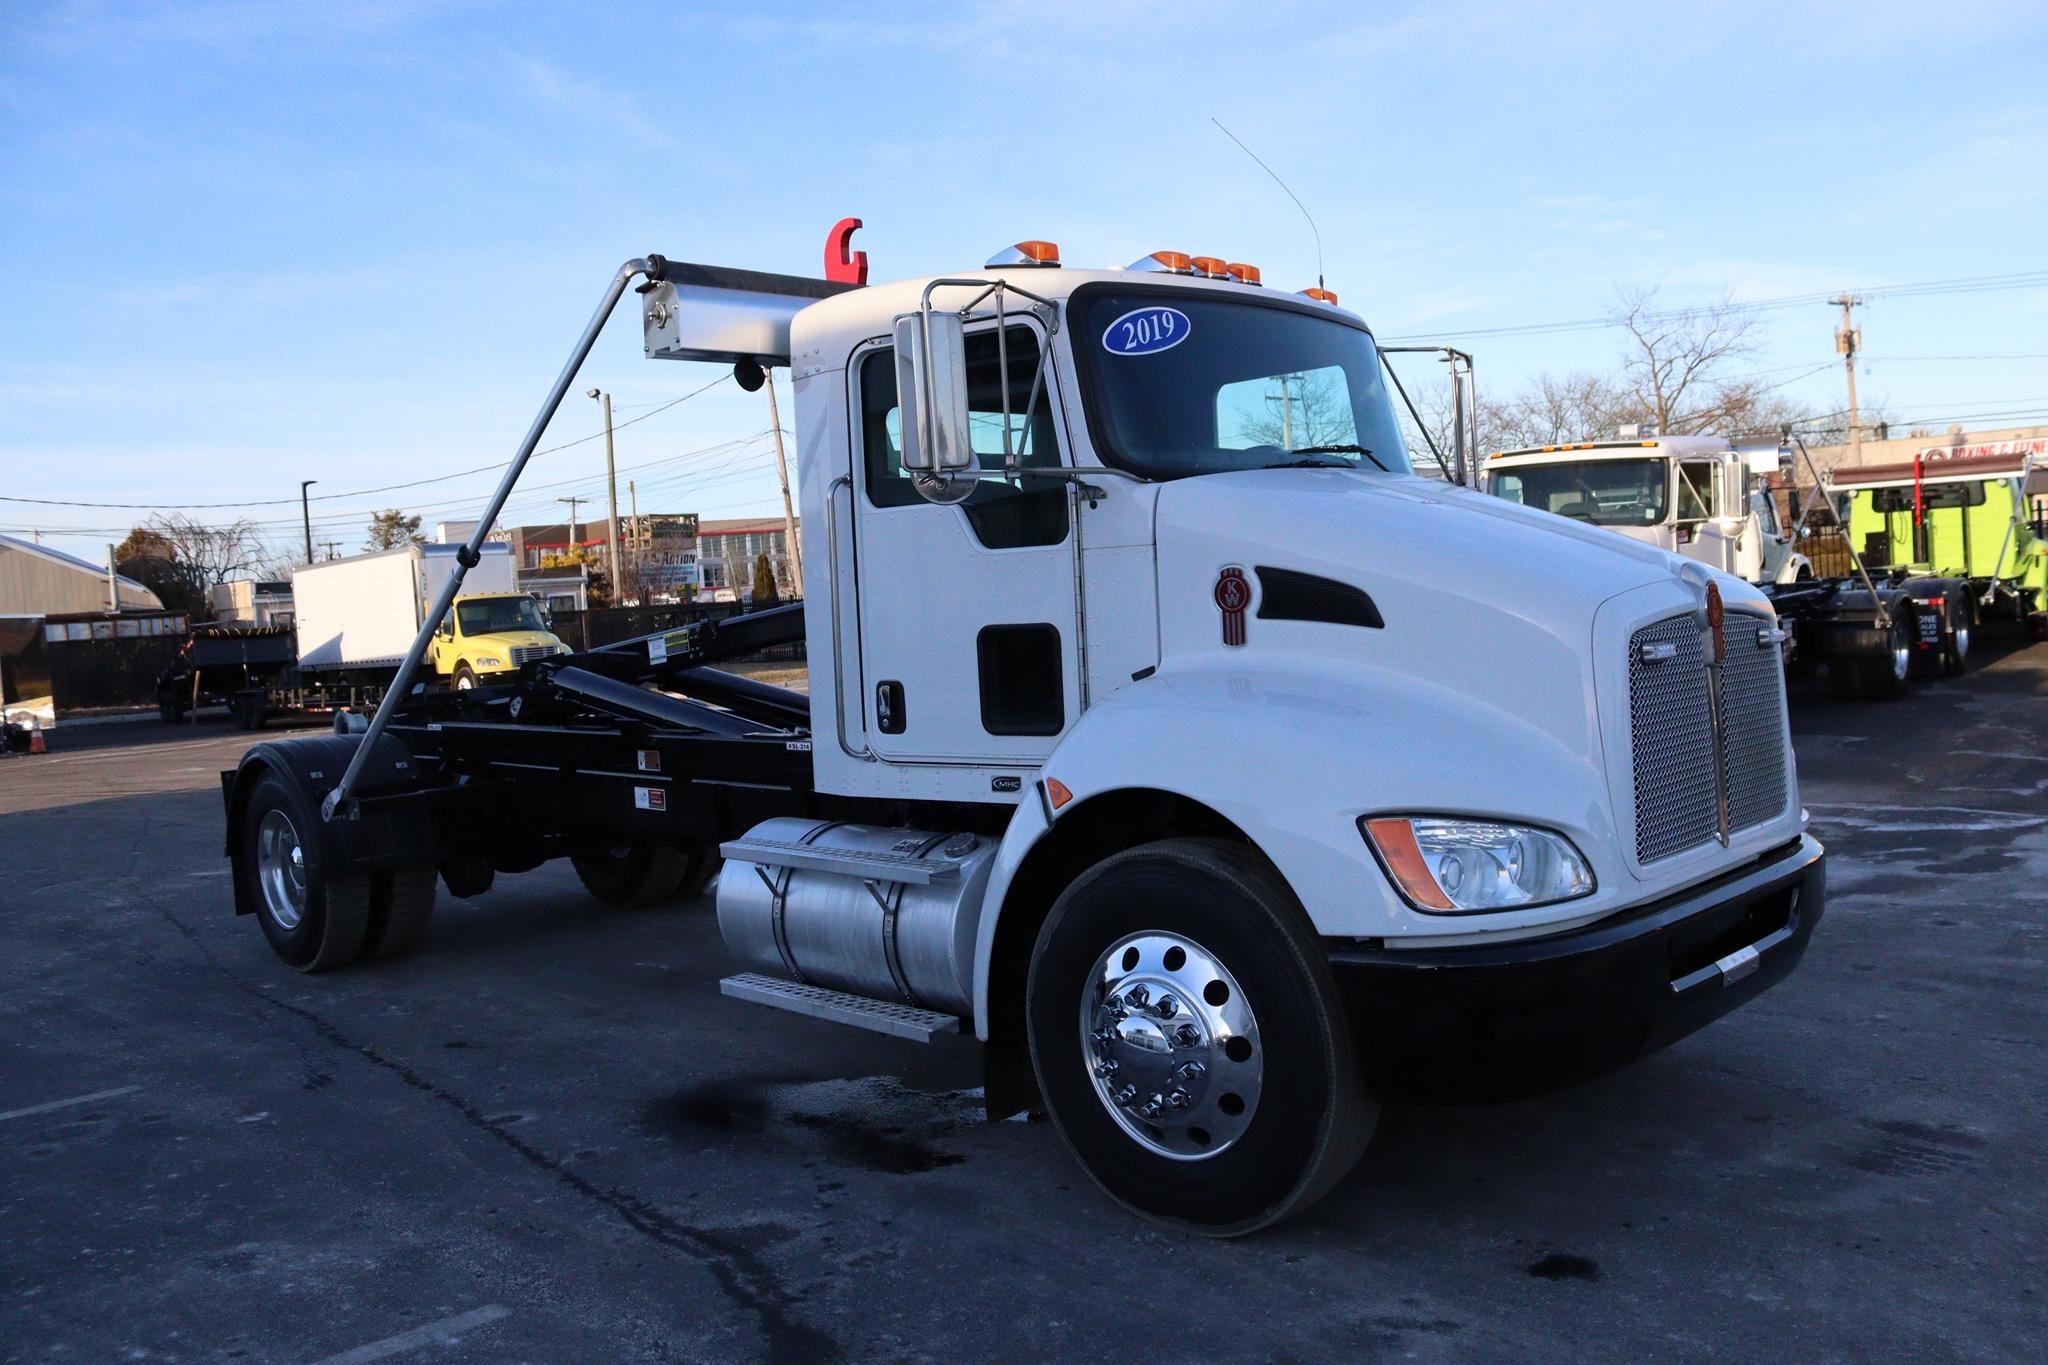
<point>879,1016</point>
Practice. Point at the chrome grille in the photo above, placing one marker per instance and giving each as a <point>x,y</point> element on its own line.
<point>1671,740</point>
<point>526,654</point>
<point>1753,698</point>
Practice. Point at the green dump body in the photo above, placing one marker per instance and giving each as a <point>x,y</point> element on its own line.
<point>1974,528</point>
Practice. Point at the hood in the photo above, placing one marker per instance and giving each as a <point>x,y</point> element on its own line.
<point>1478,594</point>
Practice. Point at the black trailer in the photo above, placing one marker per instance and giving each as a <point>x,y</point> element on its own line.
<point>254,671</point>
<point>634,761</point>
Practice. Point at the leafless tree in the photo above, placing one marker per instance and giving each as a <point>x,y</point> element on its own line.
<point>1674,363</point>
<point>214,553</point>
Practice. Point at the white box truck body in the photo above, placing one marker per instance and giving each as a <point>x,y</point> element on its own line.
<point>363,611</point>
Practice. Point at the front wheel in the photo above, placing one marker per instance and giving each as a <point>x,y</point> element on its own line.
<point>1189,1041</point>
<point>464,678</point>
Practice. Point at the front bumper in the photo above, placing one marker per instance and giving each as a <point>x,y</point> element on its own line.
<point>1495,1021</point>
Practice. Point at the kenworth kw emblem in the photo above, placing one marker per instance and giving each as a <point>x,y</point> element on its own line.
<point>1233,595</point>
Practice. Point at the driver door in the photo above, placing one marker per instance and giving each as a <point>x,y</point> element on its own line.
<point>967,612</point>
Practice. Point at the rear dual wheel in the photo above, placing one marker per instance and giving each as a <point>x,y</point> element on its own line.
<point>316,922</point>
<point>635,876</point>
<point>1189,1041</point>
<point>1881,676</point>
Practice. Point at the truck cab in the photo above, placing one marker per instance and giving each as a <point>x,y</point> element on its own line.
<point>1165,732</point>
<point>487,634</point>
<point>1696,496</point>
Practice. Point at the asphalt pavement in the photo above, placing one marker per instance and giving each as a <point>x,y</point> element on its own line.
<point>546,1136</point>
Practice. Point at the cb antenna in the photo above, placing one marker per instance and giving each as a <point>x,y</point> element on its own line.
<point>1283,185</point>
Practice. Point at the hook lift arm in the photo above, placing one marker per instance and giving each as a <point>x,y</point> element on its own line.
<point>340,803</point>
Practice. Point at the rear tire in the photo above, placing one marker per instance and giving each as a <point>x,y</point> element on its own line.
<point>1955,644</point>
<point>401,911</point>
<point>1280,1081</point>
<point>1885,677</point>
<point>314,922</point>
<point>633,876</point>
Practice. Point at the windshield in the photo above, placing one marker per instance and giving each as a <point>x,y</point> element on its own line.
<point>1603,492</point>
<point>1182,383</point>
<point>489,615</point>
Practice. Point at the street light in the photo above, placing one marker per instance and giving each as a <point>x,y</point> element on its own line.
<point>611,481</point>
<point>306,515</point>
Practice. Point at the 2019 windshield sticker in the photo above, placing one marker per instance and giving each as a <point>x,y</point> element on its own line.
<point>1146,331</point>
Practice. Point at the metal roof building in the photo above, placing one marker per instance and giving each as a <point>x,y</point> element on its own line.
<point>36,580</point>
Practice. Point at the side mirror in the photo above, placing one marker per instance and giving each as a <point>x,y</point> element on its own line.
<point>931,393</point>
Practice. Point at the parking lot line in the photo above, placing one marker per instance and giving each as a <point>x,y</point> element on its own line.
<point>431,1334</point>
<point>66,1104</point>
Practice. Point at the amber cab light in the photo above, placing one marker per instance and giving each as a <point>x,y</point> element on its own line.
<point>1242,273</point>
<point>1321,296</point>
<point>1210,267</point>
<point>1165,262</point>
<point>1031,253</point>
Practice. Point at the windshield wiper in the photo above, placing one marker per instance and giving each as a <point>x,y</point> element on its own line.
<point>1344,449</point>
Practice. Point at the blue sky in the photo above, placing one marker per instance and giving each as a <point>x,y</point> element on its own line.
<point>242,245</point>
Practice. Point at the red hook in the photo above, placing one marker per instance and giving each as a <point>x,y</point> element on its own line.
<point>843,265</point>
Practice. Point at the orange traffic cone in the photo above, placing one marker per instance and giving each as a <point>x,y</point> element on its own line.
<point>35,737</point>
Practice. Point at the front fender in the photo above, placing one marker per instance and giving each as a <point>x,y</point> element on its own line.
<point>1294,751</point>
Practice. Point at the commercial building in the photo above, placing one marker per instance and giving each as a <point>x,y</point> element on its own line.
<point>252,602</point>
<point>664,557</point>
<point>36,580</point>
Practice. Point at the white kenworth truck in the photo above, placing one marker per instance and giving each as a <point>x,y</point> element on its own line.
<point>1221,776</point>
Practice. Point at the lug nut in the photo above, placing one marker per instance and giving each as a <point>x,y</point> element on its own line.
<point>1137,997</point>
<point>1180,1099</point>
<point>1187,1035</point>
<point>1126,1094</point>
<point>1150,1108</point>
<point>1105,1070</point>
<point>1190,1071</point>
<point>1167,1007</point>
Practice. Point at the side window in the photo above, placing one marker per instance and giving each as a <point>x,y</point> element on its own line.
<point>1004,513</point>
<point>1699,490</point>
<point>1767,513</point>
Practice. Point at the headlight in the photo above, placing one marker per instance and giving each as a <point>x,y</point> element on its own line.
<point>490,663</point>
<point>1448,863</point>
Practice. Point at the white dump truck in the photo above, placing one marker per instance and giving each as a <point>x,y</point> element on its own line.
<point>1709,500</point>
<point>1164,732</point>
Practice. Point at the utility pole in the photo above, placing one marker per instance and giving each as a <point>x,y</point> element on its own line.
<point>796,559</point>
<point>1848,341</point>
<point>639,551</point>
<point>611,485</point>
<point>306,515</point>
<point>572,520</point>
<point>331,546</point>
<point>113,584</point>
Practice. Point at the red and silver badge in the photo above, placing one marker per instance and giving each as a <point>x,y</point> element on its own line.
<point>1233,596</point>
<point>1716,622</point>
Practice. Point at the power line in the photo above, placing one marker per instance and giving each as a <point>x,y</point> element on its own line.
<point>2032,279</point>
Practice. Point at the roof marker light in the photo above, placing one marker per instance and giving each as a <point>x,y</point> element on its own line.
<point>1242,273</point>
<point>1165,263</point>
<point>1210,267</point>
<point>1031,253</point>
<point>1320,296</point>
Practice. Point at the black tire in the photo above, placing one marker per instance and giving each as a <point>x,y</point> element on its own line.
<point>334,918</point>
<point>1310,1120</point>
<point>704,864</point>
<point>1955,638</point>
<point>1881,678</point>
<point>633,876</point>
<point>463,678</point>
<point>401,911</point>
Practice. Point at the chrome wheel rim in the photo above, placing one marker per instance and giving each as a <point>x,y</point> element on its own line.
<point>1171,1046</point>
<point>464,682</point>
<point>281,869</point>
<point>1962,645</point>
<point>1902,655</point>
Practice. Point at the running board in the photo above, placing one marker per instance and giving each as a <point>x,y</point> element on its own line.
<point>837,1007</point>
<point>905,868</point>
